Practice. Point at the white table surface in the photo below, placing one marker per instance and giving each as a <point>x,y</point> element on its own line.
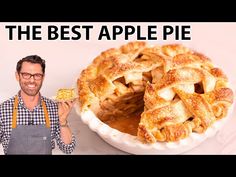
<point>66,59</point>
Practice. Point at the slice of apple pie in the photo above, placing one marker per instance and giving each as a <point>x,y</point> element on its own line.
<point>65,94</point>
<point>167,91</point>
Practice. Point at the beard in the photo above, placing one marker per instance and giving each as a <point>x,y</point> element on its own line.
<point>30,88</point>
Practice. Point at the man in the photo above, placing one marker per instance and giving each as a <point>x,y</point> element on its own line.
<point>29,122</point>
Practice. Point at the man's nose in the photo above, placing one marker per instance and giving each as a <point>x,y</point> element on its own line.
<point>32,78</point>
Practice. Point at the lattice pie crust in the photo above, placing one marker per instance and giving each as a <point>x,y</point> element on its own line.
<point>177,90</point>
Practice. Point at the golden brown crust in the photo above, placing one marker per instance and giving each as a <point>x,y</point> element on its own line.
<point>177,89</point>
<point>132,47</point>
<point>217,72</point>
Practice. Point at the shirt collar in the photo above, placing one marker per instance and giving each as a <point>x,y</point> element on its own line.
<point>21,102</point>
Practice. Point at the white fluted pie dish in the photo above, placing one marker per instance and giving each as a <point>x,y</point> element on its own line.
<point>132,145</point>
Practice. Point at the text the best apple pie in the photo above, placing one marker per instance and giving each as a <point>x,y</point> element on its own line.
<point>167,91</point>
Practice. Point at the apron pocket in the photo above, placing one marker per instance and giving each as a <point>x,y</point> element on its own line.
<point>38,145</point>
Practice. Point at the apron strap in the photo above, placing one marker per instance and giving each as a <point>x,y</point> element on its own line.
<point>46,114</point>
<point>15,110</point>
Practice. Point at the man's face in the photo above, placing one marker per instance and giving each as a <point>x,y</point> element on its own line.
<point>30,78</point>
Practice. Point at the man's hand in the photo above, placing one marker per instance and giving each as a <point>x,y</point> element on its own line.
<point>64,109</point>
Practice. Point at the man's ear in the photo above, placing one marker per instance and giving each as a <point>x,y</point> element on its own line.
<point>17,76</point>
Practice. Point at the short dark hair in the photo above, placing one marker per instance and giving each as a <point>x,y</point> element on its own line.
<point>31,59</point>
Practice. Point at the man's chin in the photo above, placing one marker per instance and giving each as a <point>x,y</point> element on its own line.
<point>31,93</point>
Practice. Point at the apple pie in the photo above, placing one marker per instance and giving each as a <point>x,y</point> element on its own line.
<point>65,94</point>
<point>159,92</point>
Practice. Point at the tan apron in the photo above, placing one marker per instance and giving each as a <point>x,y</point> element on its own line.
<point>30,139</point>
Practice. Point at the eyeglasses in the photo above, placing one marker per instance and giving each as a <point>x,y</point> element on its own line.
<point>36,76</point>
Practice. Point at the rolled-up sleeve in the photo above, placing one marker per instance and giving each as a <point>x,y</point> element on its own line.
<point>66,148</point>
<point>1,128</point>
